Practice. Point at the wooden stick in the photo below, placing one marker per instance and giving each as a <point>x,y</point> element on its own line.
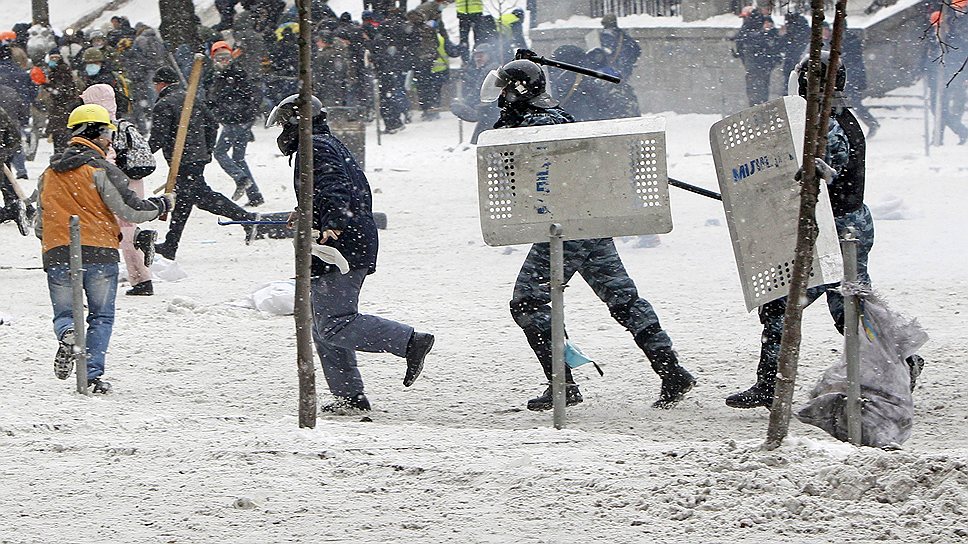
<point>183,121</point>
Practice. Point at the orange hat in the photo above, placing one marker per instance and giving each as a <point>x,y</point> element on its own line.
<point>38,76</point>
<point>8,36</point>
<point>935,18</point>
<point>219,45</point>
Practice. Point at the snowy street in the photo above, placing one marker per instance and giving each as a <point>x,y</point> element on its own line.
<point>199,441</point>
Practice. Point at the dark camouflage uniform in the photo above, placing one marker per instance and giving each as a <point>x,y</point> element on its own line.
<point>598,263</point>
<point>839,153</point>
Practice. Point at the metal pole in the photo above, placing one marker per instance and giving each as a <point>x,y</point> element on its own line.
<point>927,117</point>
<point>460,98</point>
<point>376,116</point>
<point>852,339</point>
<point>557,325</point>
<point>77,286</point>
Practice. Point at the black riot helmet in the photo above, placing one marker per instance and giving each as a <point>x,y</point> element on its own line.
<point>516,83</point>
<point>804,67</point>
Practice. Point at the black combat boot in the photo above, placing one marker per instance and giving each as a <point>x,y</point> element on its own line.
<point>545,402</point>
<point>417,350</point>
<point>344,405</point>
<point>676,380</point>
<point>761,394</point>
<point>541,344</point>
<point>145,241</point>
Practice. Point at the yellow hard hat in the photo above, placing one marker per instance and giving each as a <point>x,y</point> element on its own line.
<point>90,113</point>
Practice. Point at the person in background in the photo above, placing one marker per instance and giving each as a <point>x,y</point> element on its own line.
<point>137,248</point>
<point>95,70</point>
<point>63,96</point>
<point>624,51</point>
<point>13,208</point>
<point>190,185</point>
<point>234,99</point>
<point>469,13</point>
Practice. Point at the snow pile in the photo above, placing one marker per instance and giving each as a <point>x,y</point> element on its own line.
<point>892,208</point>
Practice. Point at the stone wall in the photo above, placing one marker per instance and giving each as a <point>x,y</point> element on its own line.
<point>683,69</point>
<point>692,69</point>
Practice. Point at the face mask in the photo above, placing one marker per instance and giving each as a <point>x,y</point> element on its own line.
<point>288,140</point>
<point>52,63</point>
<point>92,69</point>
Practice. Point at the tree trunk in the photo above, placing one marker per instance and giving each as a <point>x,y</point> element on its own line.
<point>815,142</point>
<point>178,25</point>
<point>305,364</point>
<point>41,12</point>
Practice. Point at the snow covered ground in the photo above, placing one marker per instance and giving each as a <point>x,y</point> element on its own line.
<point>199,441</point>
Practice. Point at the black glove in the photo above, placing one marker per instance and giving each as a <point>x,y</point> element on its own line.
<point>525,54</point>
<point>163,203</point>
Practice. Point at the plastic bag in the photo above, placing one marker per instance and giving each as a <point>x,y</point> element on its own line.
<point>276,298</point>
<point>887,409</point>
<point>166,270</point>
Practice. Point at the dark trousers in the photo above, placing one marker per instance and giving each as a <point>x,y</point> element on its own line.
<point>190,191</point>
<point>428,85</point>
<point>758,85</point>
<point>10,199</point>
<point>952,105</point>
<point>598,263</point>
<point>393,99</point>
<point>465,22</point>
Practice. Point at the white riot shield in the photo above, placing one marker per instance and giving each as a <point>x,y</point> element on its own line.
<point>757,156</point>
<point>596,179</point>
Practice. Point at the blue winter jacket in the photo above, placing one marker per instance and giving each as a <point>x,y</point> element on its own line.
<point>341,201</point>
<point>18,79</point>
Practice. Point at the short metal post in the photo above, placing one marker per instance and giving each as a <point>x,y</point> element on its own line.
<point>80,325</point>
<point>852,339</point>
<point>376,108</point>
<point>557,325</point>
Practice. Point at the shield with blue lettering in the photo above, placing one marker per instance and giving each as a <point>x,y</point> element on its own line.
<point>757,154</point>
<point>596,179</point>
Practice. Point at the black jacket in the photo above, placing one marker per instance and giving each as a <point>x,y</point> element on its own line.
<point>341,201</point>
<point>232,96</point>
<point>202,127</point>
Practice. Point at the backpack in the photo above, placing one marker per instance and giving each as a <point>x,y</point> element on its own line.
<point>134,157</point>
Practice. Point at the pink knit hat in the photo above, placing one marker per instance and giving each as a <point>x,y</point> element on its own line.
<point>101,94</point>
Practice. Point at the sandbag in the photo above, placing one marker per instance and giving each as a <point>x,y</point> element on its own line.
<point>887,408</point>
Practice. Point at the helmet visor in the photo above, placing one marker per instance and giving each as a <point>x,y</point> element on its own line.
<point>279,115</point>
<point>492,87</point>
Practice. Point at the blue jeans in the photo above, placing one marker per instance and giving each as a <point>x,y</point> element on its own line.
<point>101,288</point>
<point>234,139</point>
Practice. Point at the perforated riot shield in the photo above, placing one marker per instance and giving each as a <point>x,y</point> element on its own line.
<point>597,179</point>
<point>757,157</point>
